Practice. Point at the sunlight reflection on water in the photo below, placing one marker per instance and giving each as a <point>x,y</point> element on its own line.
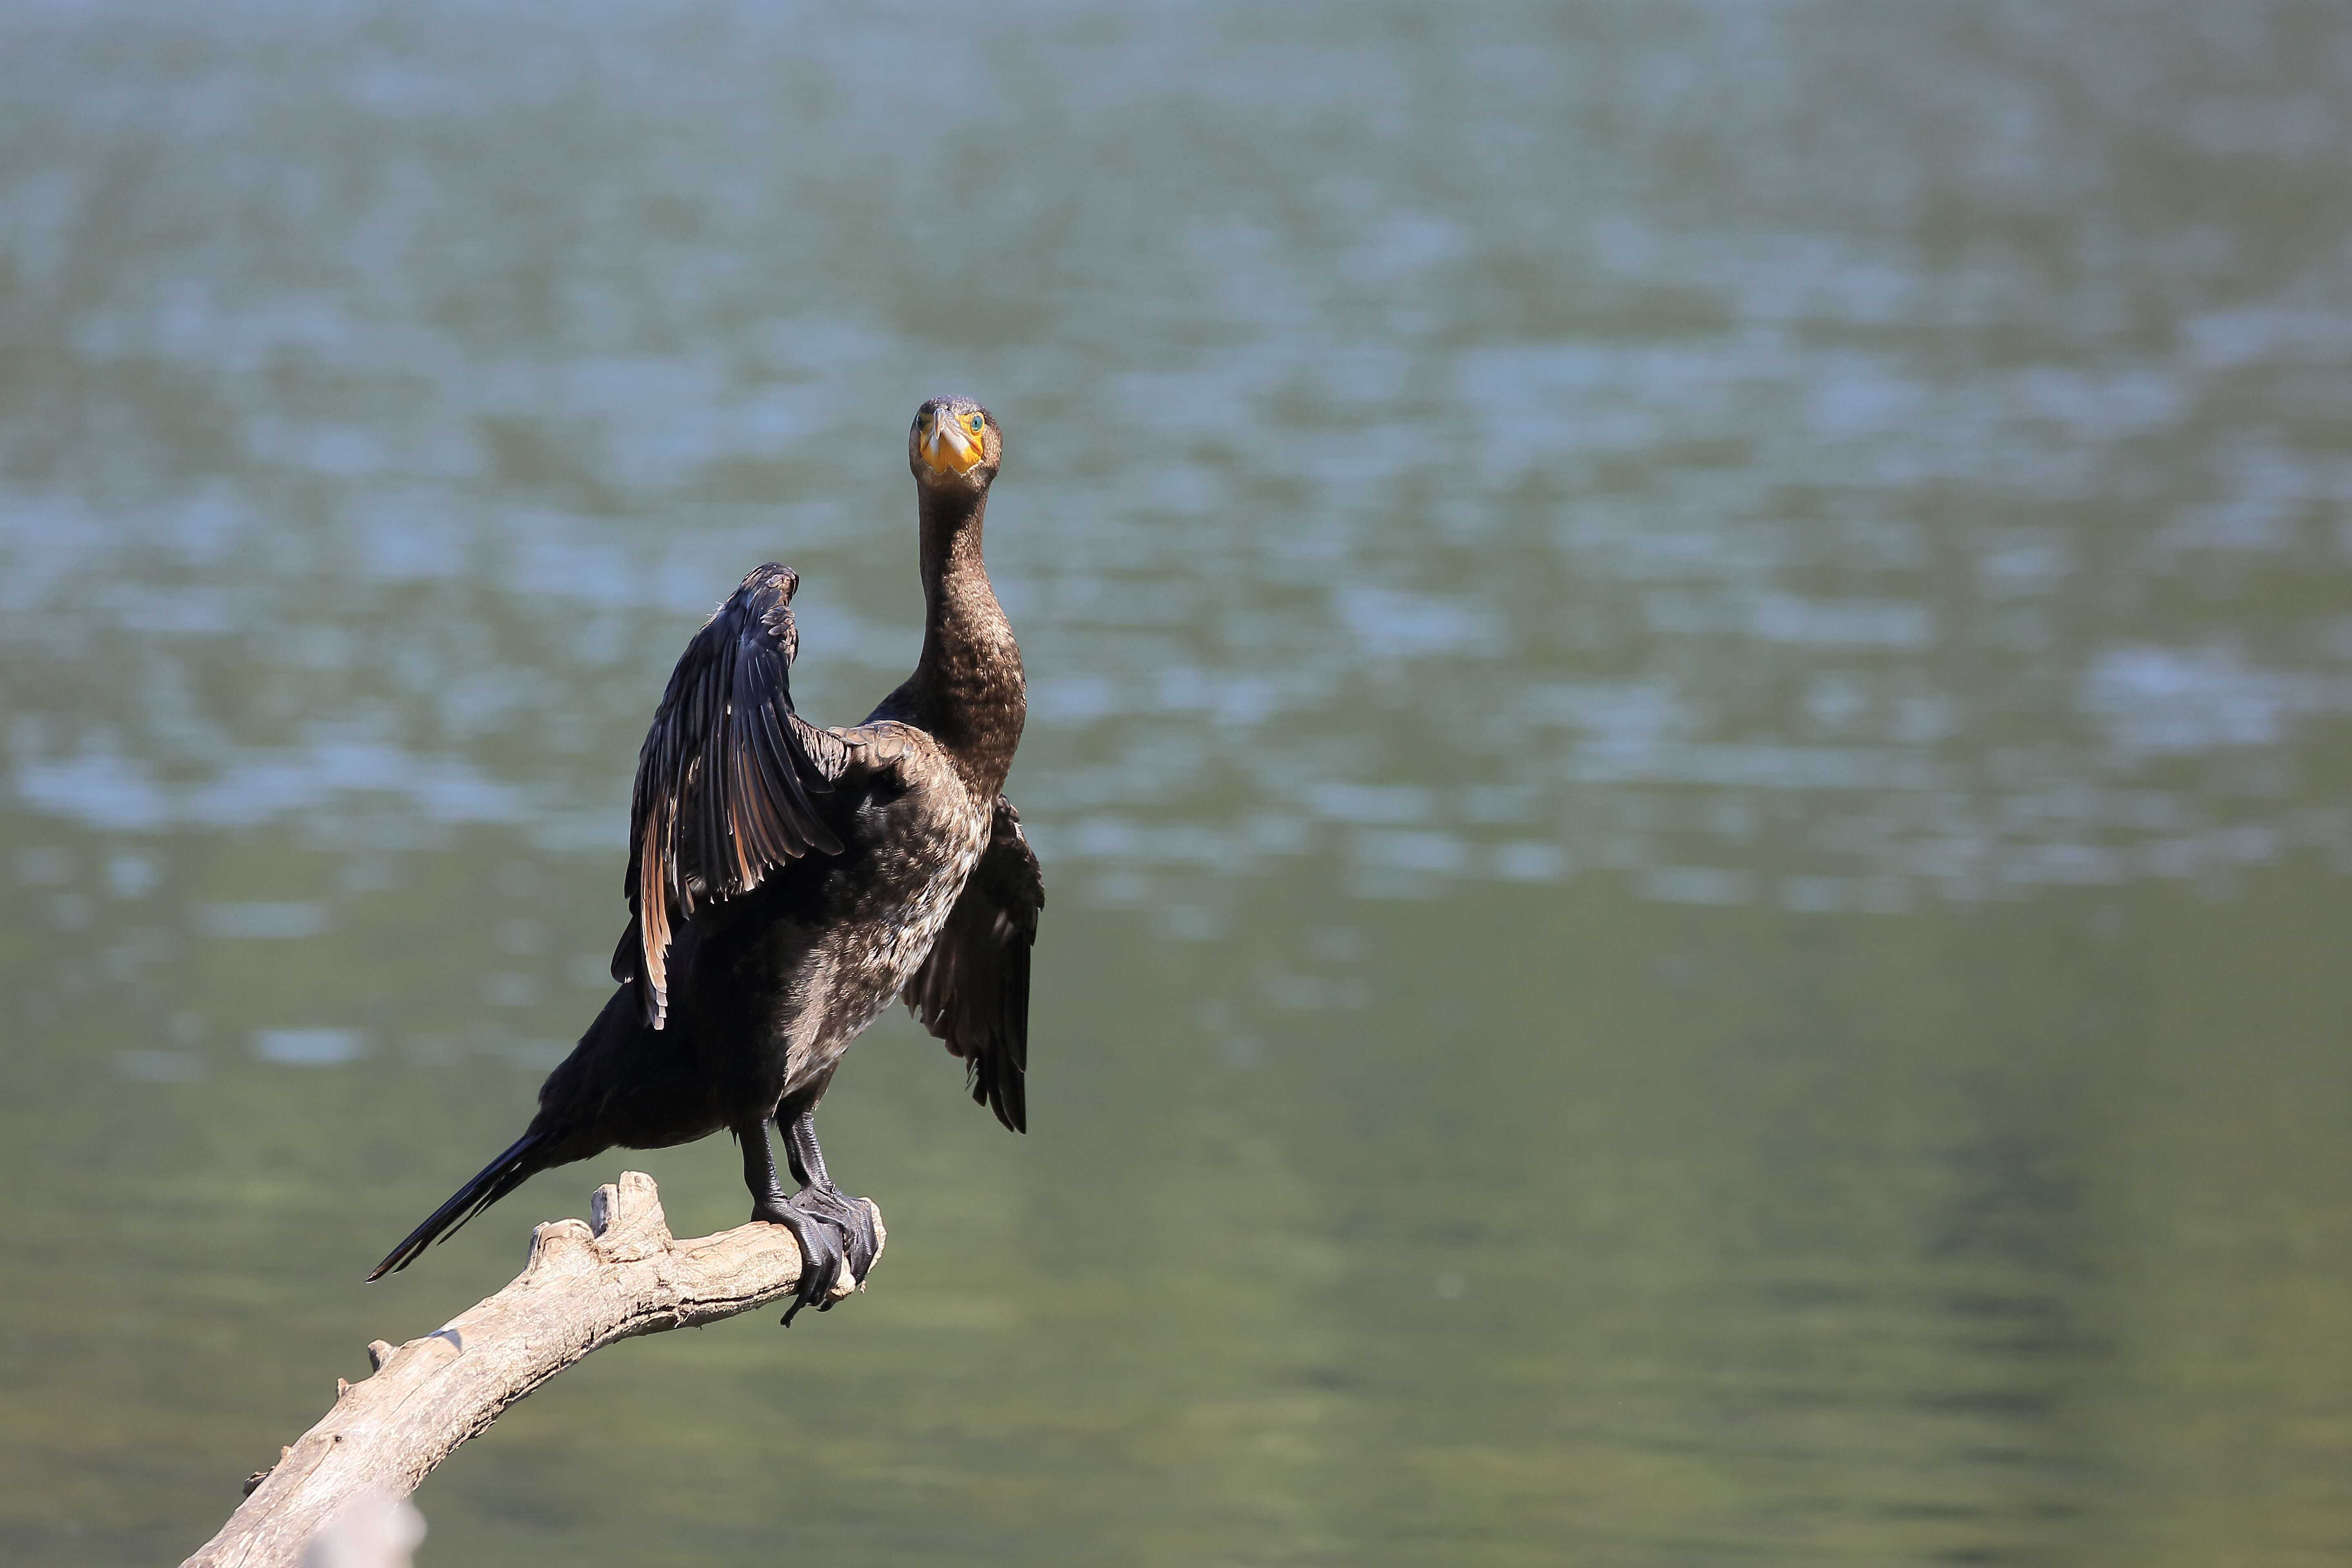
<point>1819,466</point>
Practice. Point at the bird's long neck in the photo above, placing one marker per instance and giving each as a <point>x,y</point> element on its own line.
<point>967,688</point>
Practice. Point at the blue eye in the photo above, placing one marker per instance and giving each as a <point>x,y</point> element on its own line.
<point>977,421</point>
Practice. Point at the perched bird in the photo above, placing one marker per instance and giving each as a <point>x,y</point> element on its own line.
<point>786,881</point>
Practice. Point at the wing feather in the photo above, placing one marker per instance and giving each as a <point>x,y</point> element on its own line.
<point>972,990</point>
<point>724,780</point>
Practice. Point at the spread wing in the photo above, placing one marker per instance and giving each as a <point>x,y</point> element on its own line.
<point>724,780</point>
<point>972,992</point>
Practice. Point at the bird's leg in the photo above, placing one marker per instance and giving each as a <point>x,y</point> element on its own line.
<point>821,1249</point>
<point>818,1196</point>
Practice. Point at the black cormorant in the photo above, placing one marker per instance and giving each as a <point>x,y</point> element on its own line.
<point>785,882</point>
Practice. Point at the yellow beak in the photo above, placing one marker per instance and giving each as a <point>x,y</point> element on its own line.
<point>948,447</point>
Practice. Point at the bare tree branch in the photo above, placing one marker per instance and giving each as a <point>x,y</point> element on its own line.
<point>585,1286</point>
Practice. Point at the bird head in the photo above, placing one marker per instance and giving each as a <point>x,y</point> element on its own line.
<point>954,446</point>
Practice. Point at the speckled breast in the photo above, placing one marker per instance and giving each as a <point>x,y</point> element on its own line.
<point>874,965</point>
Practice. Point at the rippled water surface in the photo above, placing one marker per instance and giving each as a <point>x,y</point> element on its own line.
<point>1692,712</point>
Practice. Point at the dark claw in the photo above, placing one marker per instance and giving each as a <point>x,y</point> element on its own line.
<point>854,1219</point>
<point>822,1258</point>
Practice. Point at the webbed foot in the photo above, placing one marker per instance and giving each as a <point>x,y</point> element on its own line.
<point>822,1255</point>
<point>855,1219</point>
<point>833,1230</point>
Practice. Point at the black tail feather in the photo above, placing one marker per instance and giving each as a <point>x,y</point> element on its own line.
<point>493,1181</point>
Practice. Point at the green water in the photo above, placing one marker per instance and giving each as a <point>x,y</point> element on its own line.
<point>1691,725</point>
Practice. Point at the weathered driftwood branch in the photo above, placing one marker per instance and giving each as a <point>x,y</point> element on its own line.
<point>585,1286</point>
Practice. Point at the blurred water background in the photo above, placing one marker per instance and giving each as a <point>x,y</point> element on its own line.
<point>1692,705</point>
